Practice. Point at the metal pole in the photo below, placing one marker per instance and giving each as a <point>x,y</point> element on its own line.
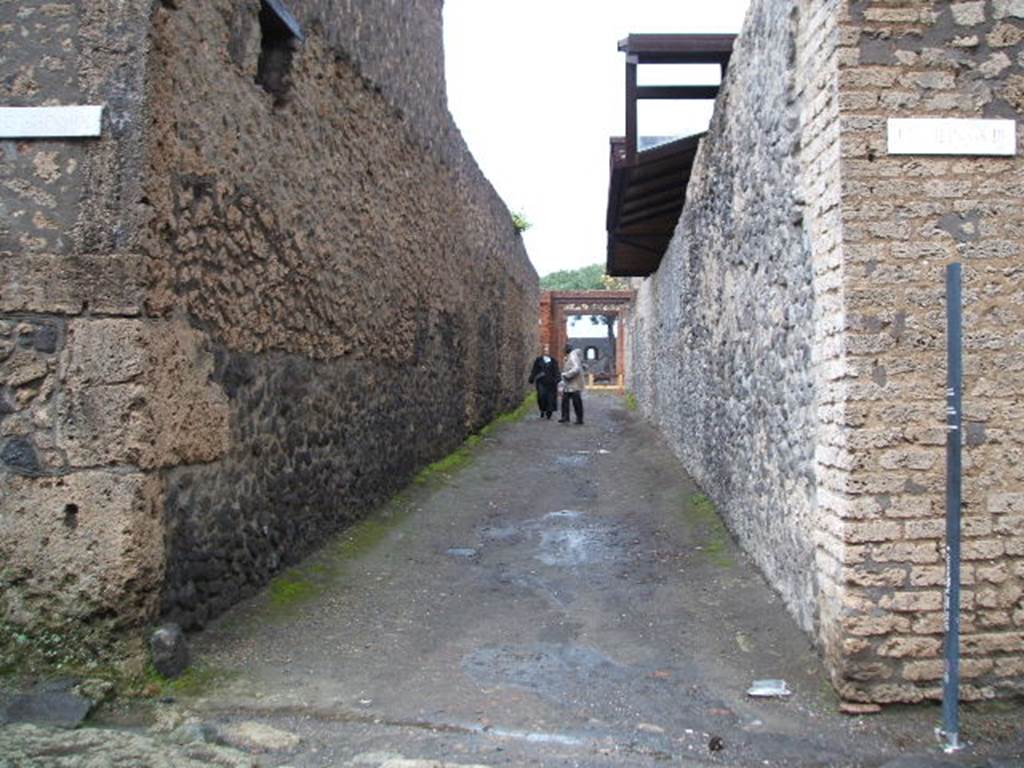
<point>954,414</point>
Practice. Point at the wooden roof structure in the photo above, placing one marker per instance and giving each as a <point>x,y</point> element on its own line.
<point>648,187</point>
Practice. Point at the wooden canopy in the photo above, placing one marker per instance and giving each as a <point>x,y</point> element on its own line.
<point>648,186</point>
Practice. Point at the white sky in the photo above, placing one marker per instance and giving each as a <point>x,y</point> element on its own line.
<point>537,87</point>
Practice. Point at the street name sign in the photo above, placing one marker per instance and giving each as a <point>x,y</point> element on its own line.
<point>952,136</point>
<point>50,122</point>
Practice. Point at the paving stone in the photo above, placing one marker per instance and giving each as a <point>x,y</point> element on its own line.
<point>55,708</point>
<point>257,737</point>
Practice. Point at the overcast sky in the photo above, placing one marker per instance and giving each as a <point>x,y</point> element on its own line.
<point>537,88</point>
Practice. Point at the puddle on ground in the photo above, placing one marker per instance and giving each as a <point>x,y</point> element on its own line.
<point>570,514</point>
<point>567,548</point>
<point>573,460</point>
<point>535,737</point>
<point>538,666</point>
<point>567,541</point>
<point>501,533</point>
<point>462,552</point>
<point>593,684</point>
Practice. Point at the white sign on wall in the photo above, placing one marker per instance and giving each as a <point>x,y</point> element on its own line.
<point>952,136</point>
<point>50,122</point>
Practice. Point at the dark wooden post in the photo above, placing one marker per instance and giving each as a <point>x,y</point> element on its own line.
<point>631,135</point>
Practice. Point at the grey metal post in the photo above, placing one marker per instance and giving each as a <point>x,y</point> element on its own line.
<point>954,419</point>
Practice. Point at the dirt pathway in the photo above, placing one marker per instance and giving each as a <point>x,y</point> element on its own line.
<point>566,598</point>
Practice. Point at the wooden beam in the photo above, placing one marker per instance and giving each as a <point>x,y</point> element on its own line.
<point>679,49</point>
<point>677,92</point>
<point>663,194</point>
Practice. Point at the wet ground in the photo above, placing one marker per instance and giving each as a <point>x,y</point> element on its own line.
<point>565,599</point>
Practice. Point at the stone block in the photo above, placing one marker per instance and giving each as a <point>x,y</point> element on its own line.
<point>1005,596</point>
<point>105,352</point>
<point>1012,9</point>
<point>993,620</point>
<point>928,576</point>
<point>904,646</point>
<point>1004,35</point>
<point>867,626</point>
<point>992,642</point>
<point>138,392</point>
<point>111,285</point>
<point>913,552</point>
<point>868,577</point>
<point>918,671</point>
<point>875,530</point>
<point>912,602</point>
<point>1010,525</point>
<point>1009,667</point>
<point>92,542</point>
<point>997,573</point>
<point>55,709</point>
<point>929,624</point>
<point>924,529</point>
<point>982,549</point>
<point>976,526</point>
<point>968,14</point>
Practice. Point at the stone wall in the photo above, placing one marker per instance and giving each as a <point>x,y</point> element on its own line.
<point>722,338</point>
<point>791,345</point>
<point>274,301</point>
<point>904,219</point>
<point>81,538</point>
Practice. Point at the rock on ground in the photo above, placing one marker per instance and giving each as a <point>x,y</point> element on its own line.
<point>24,745</point>
<point>257,737</point>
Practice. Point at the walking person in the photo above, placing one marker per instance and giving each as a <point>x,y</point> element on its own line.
<point>545,376</point>
<point>572,384</point>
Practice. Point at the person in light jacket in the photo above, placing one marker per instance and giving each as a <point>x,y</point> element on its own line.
<point>572,384</point>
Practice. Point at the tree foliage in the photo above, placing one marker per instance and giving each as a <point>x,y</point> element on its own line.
<point>589,278</point>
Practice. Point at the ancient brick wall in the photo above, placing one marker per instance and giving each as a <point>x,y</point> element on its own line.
<point>792,343</point>
<point>295,294</point>
<point>904,219</point>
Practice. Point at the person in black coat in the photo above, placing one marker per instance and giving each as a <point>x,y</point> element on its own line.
<point>545,375</point>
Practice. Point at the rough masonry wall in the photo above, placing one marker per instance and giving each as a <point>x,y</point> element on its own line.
<point>724,338</point>
<point>367,302</point>
<point>792,344</point>
<point>295,299</point>
<point>904,219</point>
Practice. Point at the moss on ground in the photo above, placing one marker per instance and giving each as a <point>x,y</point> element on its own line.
<point>631,403</point>
<point>290,587</point>
<point>301,583</point>
<point>716,544</point>
<point>443,468</point>
<point>194,681</point>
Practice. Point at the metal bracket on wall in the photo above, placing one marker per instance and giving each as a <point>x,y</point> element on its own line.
<point>287,18</point>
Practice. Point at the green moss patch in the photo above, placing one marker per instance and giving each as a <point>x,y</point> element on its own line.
<point>290,587</point>
<point>194,681</point>
<point>631,403</point>
<point>442,469</point>
<point>715,547</point>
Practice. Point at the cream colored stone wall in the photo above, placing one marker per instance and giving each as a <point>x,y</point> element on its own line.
<point>904,219</point>
<point>735,342</point>
<point>842,505</point>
